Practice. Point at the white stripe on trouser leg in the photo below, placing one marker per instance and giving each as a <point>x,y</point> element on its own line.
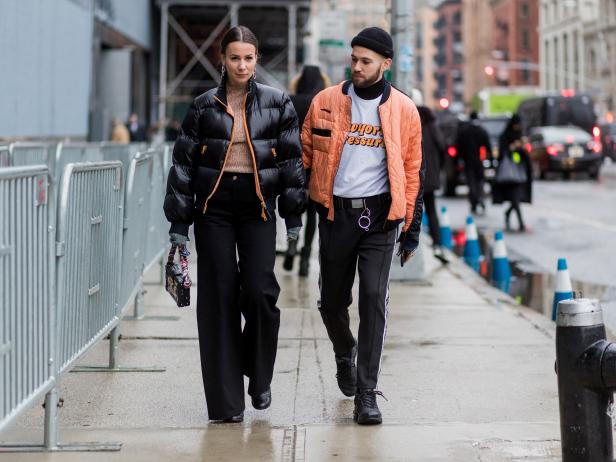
<point>386,309</point>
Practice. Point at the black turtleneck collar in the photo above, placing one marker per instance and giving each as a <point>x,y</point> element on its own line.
<point>372,92</point>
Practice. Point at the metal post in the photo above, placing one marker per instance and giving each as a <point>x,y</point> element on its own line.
<point>402,25</point>
<point>162,79</point>
<point>584,396</point>
<point>114,339</point>
<point>234,10</point>
<point>51,420</point>
<point>291,64</point>
<point>139,311</point>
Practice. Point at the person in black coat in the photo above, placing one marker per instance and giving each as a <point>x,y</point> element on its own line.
<point>304,87</point>
<point>237,152</point>
<point>511,146</point>
<point>434,151</point>
<point>137,130</point>
<point>471,139</point>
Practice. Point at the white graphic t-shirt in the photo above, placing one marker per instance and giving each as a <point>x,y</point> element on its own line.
<point>363,165</point>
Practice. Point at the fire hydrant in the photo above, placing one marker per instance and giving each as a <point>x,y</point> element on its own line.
<point>586,369</point>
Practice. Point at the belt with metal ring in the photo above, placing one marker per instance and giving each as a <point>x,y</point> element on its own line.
<point>362,202</point>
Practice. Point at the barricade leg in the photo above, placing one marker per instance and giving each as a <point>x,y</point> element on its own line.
<point>139,312</point>
<point>114,340</point>
<point>50,438</point>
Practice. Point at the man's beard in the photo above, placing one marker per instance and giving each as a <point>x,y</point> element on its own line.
<point>367,81</point>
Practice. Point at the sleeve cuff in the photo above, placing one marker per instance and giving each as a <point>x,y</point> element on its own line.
<point>179,228</point>
<point>293,221</point>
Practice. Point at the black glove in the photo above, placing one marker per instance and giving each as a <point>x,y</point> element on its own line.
<point>407,248</point>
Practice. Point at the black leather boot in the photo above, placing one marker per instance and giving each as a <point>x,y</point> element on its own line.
<point>289,256</point>
<point>366,410</point>
<point>263,400</point>
<point>347,372</point>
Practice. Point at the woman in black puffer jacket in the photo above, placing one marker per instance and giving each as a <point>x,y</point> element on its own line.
<point>238,150</point>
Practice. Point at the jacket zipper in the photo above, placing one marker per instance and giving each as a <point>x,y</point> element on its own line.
<point>254,162</point>
<point>222,169</point>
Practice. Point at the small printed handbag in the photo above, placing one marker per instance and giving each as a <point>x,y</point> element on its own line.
<point>177,280</point>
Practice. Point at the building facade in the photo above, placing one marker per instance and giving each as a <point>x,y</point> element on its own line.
<point>515,43</point>
<point>425,50</point>
<point>569,55</point>
<point>449,57</point>
<point>477,39</point>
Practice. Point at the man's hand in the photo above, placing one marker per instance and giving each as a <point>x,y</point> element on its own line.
<point>407,248</point>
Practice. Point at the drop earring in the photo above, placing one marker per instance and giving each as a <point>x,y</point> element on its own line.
<point>223,71</point>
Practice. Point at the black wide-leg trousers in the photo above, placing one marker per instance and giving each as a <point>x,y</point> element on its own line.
<point>228,288</point>
<point>345,248</point>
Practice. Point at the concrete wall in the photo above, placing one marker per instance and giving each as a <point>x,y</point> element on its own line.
<point>45,66</point>
<point>131,18</point>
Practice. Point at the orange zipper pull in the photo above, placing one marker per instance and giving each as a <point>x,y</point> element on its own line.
<point>263,215</point>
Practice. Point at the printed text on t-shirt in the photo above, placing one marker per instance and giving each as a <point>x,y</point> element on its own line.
<point>357,132</point>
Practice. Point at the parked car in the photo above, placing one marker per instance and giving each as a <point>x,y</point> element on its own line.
<point>608,140</point>
<point>564,149</point>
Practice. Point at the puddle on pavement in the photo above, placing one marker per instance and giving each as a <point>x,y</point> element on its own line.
<point>534,288</point>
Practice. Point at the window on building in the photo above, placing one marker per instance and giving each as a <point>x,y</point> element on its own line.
<point>457,36</point>
<point>419,35</point>
<point>524,10</point>
<point>525,72</point>
<point>457,17</point>
<point>525,39</point>
<point>419,69</point>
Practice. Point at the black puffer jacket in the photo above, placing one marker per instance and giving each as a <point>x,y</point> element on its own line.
<point>200,150</point>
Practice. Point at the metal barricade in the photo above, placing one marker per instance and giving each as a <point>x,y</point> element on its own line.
<point>67,153</point>
<point>157,236</point>
<point>136,210</point>
<point>88,250</point>
<point>4,156</point>
<point>21,154</point>
<point>27,310</point>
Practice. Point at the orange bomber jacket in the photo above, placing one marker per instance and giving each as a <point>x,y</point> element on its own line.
<point>324,134</point>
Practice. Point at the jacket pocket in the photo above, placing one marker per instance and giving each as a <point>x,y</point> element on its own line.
<point>321,132</point>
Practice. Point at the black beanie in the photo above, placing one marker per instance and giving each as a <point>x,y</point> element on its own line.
<point>376,39</point>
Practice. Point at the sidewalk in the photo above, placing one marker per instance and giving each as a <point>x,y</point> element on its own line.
<point>468,377</point>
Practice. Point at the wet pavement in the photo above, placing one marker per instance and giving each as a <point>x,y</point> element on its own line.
<point>467,374</point>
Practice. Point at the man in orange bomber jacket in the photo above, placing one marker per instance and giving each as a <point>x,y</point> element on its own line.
<point>362,148</point>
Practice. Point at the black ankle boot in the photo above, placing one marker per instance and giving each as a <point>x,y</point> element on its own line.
<point>366,410</point>
<point>290,256</point>
<point>347,372</point>
<point>263,400</point>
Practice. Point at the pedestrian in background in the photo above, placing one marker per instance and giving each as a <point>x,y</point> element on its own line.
<point>119,132</point>
<point>472,140</point>
<point>513,177</point>
<point>237,152</point>
<point>434,152</point>
<point>362,141</point>
<point>138,132</point>
<point>303,89</point>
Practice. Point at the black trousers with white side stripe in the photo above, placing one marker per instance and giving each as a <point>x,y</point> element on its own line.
<point>345,248</point>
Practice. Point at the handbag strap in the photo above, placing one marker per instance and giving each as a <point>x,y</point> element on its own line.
<point>184,253</point>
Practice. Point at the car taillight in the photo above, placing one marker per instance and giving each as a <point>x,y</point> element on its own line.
<point>594,146</point>
<point>483,153</point>
<point>452,151</point>
<point>596,132</point>
<point>528,147</point>
<point>552,150</point>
